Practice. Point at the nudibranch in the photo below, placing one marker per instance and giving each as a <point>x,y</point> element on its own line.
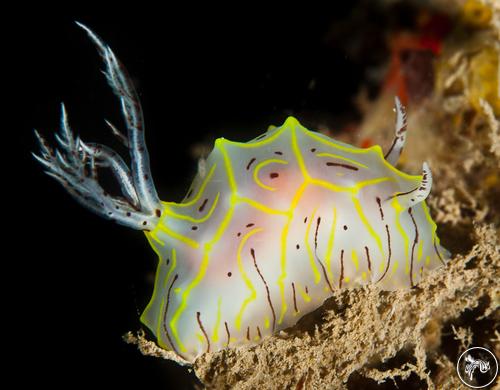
<point>267,231</point>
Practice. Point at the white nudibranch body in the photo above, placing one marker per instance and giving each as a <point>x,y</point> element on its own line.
<point>268,230</point>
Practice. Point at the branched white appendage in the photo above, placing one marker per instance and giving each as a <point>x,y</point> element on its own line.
<point>104,157</point>
<point>117,133</point>
<point>392,156</point>
<point>122,87</point>
<point>75,163</point>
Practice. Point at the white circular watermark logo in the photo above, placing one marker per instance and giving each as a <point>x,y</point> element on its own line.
<point>477,367</point>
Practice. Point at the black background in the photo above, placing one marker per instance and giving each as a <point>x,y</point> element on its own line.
<point>78,281</point>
